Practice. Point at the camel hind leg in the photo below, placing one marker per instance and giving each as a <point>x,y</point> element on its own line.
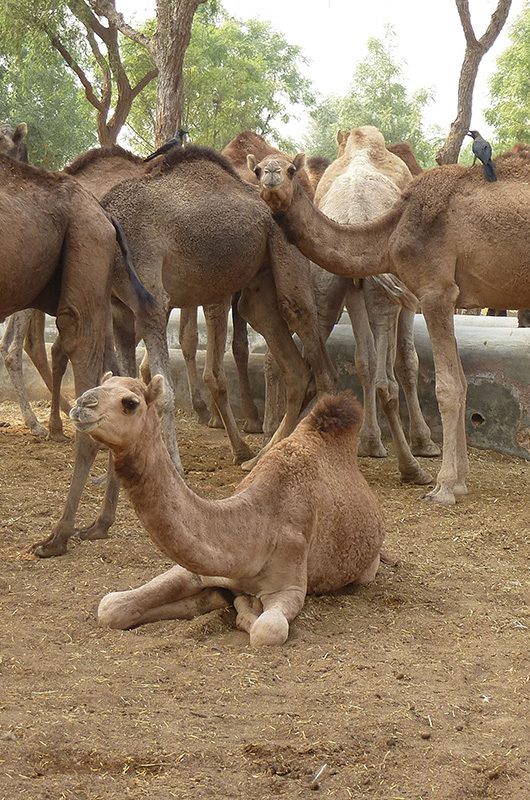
<point>407,368</point>
<point>240,352</point>
<point>259,306</point>
<point>176,594</point>
<point>189,340</point>
<point>11,348</point>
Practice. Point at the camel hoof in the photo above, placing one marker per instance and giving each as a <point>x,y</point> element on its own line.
<point>270,629</point>
<point>372,450</point>
<point>253,426</point>
<point>93,532</point>
<point>39,432</point>
<point>215,422</point>
<point>49,549</point>
<point>440,495</point>
<point>425,449</point>
<point>247,466</point>
<point>242,456</point>
<point>418,476</point>
<point>57,436</point>
<point>203,415</point>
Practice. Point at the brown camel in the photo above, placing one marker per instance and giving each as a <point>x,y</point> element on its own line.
<point>381,309</point>
<point>304,520</point>
<point>441,253</point>
<point>58,252</point>
<point>181,265</point>
<point>97,170</point>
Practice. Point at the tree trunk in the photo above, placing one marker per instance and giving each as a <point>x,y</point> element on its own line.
<point>475,50</point>
<point>175,18</point>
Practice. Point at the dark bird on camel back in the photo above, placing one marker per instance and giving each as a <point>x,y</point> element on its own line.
<point>482,150</point>
<point>178,140</point>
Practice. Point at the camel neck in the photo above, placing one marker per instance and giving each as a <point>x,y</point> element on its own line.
<point>198,534</point>
<point>353,251</point>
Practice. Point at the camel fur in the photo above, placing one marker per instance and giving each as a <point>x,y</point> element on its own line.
<point>303,521</point>
<point>445,255</point>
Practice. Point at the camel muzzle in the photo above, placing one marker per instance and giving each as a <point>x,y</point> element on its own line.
<point>82,414</point>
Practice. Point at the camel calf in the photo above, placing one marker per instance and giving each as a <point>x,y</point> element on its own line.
<point>304,520</point>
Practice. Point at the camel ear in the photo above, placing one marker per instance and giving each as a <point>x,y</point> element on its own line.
<point>155,389</point>
<point>20,132</point>
<point>252,164</point>
<point>106,376</point>
<point>298,163</point>
<point>341,136</point>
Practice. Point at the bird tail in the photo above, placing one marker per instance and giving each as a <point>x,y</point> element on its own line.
<point>489,171</point>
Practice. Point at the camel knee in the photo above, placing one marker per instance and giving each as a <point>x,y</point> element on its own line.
<point>116,610</point>
<point>270,629</point>
<point>216,382</point>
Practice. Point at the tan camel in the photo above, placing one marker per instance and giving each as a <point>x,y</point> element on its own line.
<point>381,309</point>
<point>304,520</point>
<point>191,250</point>
<point>446,256</point>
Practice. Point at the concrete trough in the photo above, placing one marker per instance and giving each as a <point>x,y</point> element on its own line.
<point>495,356</point>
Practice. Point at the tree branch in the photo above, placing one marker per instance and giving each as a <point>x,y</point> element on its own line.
<point>107,8</point>
<point>74,66</point>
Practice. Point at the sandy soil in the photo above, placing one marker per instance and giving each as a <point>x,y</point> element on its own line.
<point>416,687</point>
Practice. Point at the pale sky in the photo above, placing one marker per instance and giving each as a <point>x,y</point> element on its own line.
<point>333,36</point>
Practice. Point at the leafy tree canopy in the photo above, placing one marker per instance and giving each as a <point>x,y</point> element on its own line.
<point>509,114</point>
<point>377,97</point>
<point>237,75</point>
<point>36,87</point>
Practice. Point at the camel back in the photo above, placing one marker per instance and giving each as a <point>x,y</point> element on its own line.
<point>434,188</point>
<point>18,170</point>
<point>187,155</point>
<point>87,159</point>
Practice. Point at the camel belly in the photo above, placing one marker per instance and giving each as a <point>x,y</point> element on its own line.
<point>497,283</point>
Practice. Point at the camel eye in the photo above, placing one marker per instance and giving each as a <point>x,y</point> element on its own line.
<point>130,404</point>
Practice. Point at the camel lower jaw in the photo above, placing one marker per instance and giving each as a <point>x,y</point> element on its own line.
<point>83,425</point>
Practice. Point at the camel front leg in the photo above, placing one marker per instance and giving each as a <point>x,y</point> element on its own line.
<point>407,370</point>
<point>176,594</point>
<point>215,378</point>
<point>271,628</point>
<point>100,528</point>
<point>451,390</point>
<point>189,341</point>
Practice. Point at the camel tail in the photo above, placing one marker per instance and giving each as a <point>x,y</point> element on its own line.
<point>335,413</point>
<point>144,296</point>
<point>489,171</point>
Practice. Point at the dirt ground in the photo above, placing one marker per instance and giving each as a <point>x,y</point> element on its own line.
<point>415,687</point>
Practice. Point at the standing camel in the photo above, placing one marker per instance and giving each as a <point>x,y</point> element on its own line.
<point>381,309</point>
<point>57,255</point>
<point>304,520</point>
<point>441,253</point>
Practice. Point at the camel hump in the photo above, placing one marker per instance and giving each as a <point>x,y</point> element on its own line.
<point>335,413</point>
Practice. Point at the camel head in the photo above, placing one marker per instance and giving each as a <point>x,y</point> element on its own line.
<point>114,413</point>
<point>12,142</point>
<point>275,174</point>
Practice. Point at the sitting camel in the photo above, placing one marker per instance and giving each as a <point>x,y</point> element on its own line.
<point>440,252</point>
<point>304,520</point>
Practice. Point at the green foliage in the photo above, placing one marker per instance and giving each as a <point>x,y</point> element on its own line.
<point>509,114</point>
<point>377,97</point>
<point>237,75</point>
<point>36,87</point>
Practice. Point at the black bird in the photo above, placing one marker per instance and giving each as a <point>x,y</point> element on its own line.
<point>178,140</point>
<point>482,150</point>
